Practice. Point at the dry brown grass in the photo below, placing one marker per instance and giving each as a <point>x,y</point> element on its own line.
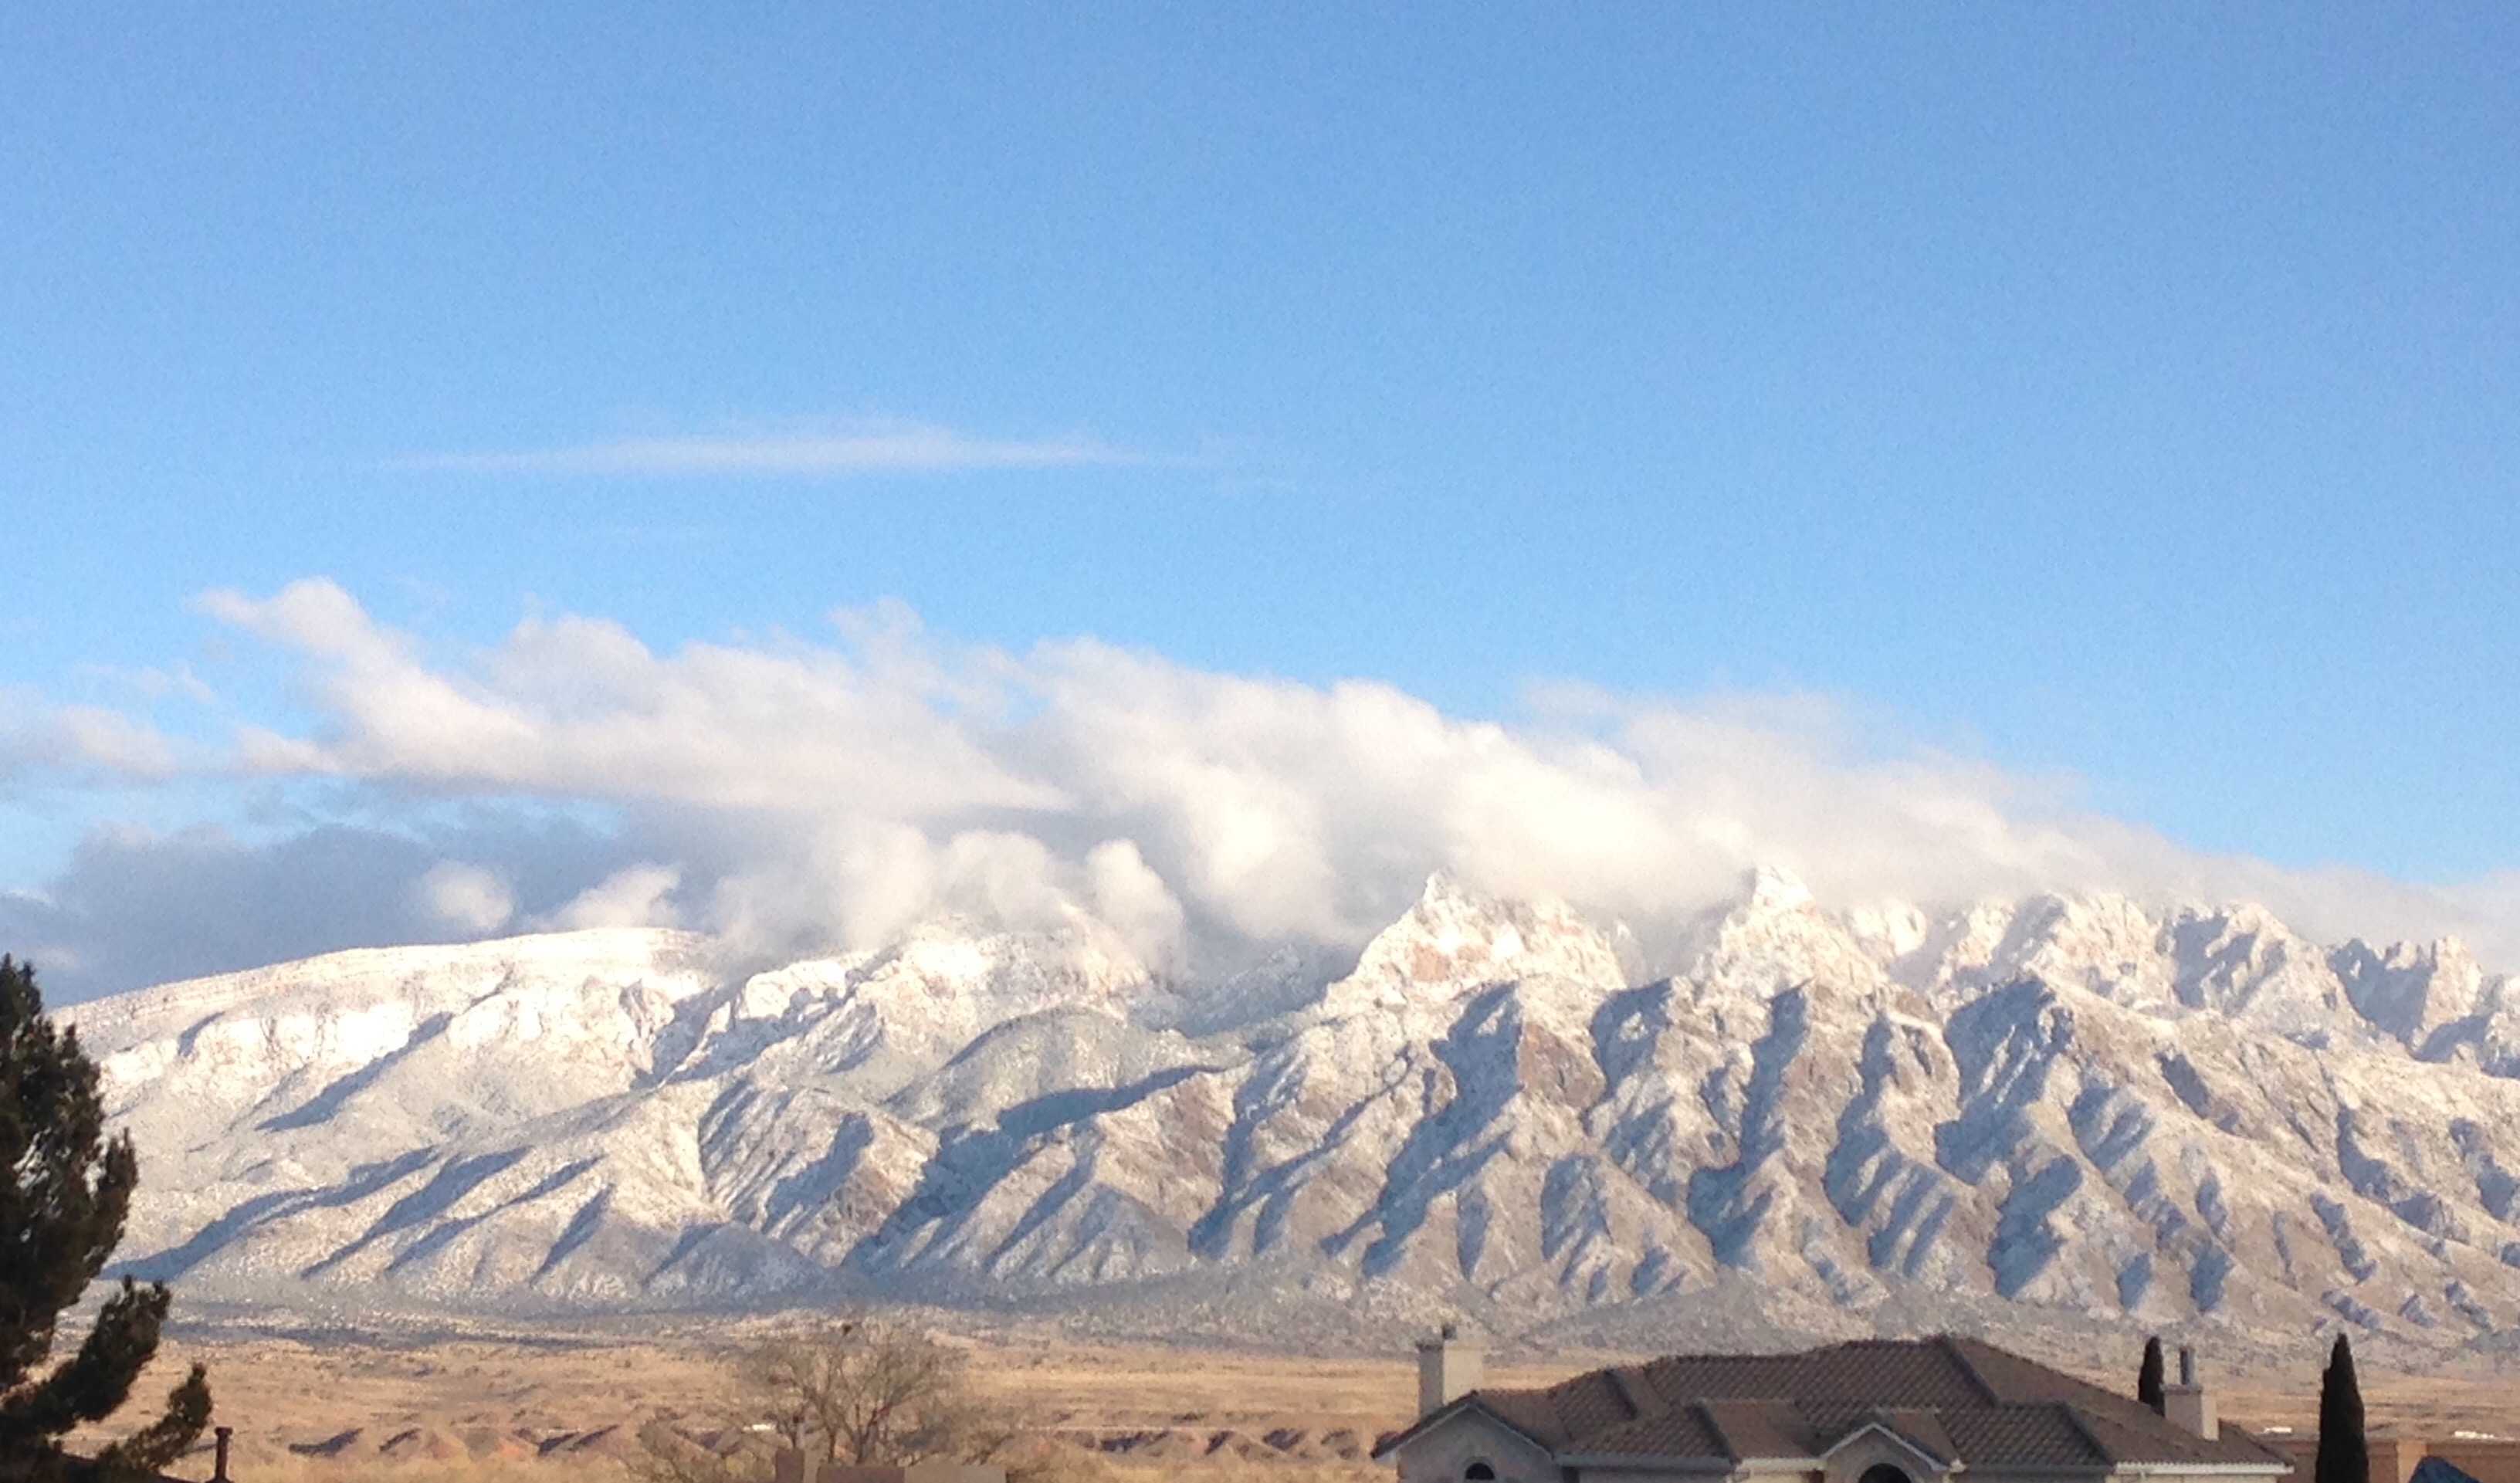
<point>568,1411</point>
<point>565,1410</point>
<point>293,1469</point>
<point>1240,1472</point>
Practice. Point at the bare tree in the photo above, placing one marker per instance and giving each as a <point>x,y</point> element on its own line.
<point>864,1390</point>
<point>870,1389</point>
<point>669,1455</point>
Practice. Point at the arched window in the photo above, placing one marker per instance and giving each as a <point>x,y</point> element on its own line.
<point>1884,1472</point>
<point>1480,1472</point>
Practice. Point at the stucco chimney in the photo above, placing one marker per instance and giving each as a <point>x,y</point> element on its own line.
<point>2188,1404</point>
<point>1448,1369</point>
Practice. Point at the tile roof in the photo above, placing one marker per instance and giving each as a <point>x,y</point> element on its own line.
<point>1762,1429</point>
<point>1682,1433</point>
<point>1918,1426</point>
<point>1951,1399</point>
<point>2027,1436</point>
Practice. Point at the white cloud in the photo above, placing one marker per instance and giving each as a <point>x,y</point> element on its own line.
<point>175,680</point>
<point>635,896</point>
<point>467,898</point>
<point>875,449</point>
<point>1128,895</point>
<point>111,742</point>
<point>579,707</point>
<point>36,735</point>
<point>787,791</point>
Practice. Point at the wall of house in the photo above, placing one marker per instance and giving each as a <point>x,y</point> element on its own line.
<point>2486,1460</point>
<point>1443,1453</point>
<point>2394,1455</point>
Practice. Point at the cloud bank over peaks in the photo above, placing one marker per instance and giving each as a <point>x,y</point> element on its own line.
<point>795,793</point>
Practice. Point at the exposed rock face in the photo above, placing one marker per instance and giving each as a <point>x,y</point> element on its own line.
<point>2078,1106</point>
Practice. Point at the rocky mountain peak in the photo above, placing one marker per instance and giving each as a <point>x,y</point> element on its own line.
<point>1454,940</point>
<point>2101,942</point>
<point>1774,889</point>
<point>1776,935</point>
<point>2409,990</point>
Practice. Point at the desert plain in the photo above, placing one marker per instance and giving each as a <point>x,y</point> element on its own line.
<point>565,1406</point>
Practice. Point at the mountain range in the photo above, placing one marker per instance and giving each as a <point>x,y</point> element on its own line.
<point>2066,1112</point>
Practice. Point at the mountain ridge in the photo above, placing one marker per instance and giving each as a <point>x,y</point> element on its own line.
<point>2071,1108</point>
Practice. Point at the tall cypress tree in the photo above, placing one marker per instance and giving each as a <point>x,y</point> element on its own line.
<point>2343,1455</point>
<point>64,1191</point>
<point>2148,1380</point>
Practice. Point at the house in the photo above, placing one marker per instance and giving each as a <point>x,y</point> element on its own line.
<point>1876,1411</point>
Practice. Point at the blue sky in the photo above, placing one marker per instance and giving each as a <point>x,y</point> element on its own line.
<point>2118,396</point>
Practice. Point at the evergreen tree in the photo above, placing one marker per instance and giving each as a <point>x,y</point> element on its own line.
<point>2343,1455</point>
<point>64,1191</point>
<point>2148,1380</point>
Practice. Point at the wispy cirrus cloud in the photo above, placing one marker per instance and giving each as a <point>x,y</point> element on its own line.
<point>870,449</point>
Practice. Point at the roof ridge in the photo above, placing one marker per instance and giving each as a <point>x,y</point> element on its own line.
<point>1642,1400</point>
<point>1951,1345</point>
<point>1715,1428</point>
<point>2082,1425</point>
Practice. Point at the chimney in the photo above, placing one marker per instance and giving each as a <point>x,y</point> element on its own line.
<point>2188,1404</point>
<point>1448,1369</point>
<point>219,1471</point>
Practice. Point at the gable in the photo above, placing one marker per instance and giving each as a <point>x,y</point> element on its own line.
<point>1444,1449</point>
<point>1875,1442</point>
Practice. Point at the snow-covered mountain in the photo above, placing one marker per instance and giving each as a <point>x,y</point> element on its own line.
<point>2075,1108</point>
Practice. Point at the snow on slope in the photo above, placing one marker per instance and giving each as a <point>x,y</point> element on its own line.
<point>2066,1106</point>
